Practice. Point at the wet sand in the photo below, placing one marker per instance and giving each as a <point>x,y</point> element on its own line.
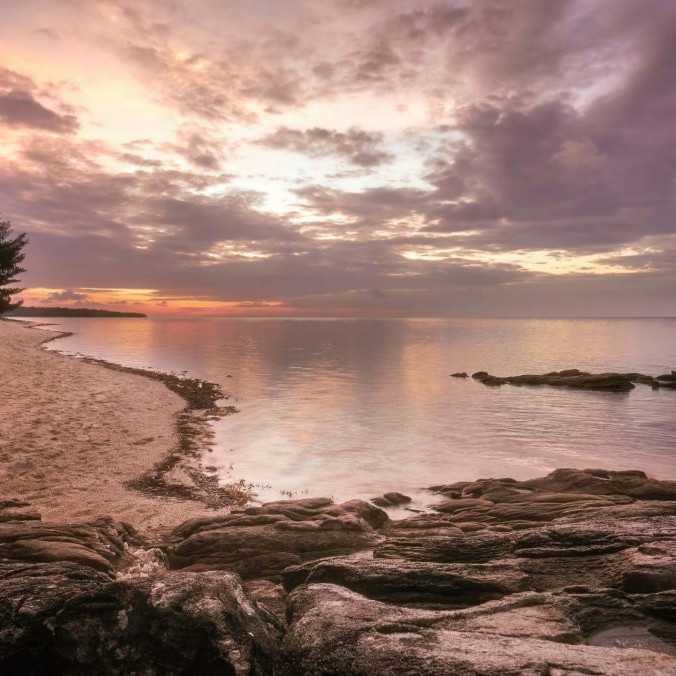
<point>73,433</point>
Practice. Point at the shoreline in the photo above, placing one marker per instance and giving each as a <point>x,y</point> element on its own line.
<point>160,478</point>
<point>194,439</point>
<point>572,572</point>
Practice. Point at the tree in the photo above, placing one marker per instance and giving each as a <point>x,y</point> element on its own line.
<point>11,256</point>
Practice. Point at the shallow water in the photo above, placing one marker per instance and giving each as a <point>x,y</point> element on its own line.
<point>353,408</point>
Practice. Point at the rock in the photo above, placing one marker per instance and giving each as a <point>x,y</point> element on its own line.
<point>392,499</point>
<point>460,374</point>
<point>100,544</point>
<point>72,601</point>
<point>268,595</point>
<point>642,379</point>
<point>562,486</point>
<point>487,378</point>
<point>336,631</point>
<point>421,584</point>
<point>461,504</point>
<point>262,541</point>
<point>667,380</point>
<point>397,498</point>
<point>616,382</point>
<point>471,548</point>
<point>31,595</point>
<point>17,510</point>
<point>632,483</point>
<point>631,636</point>
<point>170,624</point>
<point>571,573</point>
<point>650,568</point>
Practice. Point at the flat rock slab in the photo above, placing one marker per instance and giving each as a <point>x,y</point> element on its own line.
<point>421,584</point>
<point>263,541</point>
<point>364,637</point>
<point>99,544</point>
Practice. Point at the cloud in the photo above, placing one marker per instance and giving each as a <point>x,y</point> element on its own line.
<point>359,147</point>
<point>465,147</point>
<point>20,108</point>
<point>48,33</point>
<point>68,295</point>
<point>199,148</point>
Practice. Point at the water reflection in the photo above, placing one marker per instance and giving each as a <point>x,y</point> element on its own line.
<point>355,407</point>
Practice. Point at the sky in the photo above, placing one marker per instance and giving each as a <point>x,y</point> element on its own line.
<point>343,157</point>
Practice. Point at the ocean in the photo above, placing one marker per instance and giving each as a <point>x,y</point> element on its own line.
<point>352,408</point>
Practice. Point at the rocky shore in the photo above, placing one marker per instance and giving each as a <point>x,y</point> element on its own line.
<point>572,573</point>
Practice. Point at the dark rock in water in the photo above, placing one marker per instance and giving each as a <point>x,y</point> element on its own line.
<point>629,483</point>
<point>392,499</point>
<point>667,380</point>
<point>642,379</point>
<point>460,374</point>
<point>397,498</point>
<point>487,378</point>
<point>507,577</point>
<point>262,541</point>
<point>616,382</point>
<point>562,486</point>
<point>613,382</point>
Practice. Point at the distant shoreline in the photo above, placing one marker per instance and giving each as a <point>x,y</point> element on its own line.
<point>72,312</point>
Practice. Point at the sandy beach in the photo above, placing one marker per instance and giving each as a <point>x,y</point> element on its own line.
<point>72,433</point>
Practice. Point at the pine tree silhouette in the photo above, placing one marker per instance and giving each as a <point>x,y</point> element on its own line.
<point>11,257</point>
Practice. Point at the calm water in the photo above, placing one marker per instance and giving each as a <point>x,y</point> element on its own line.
<point>352,408</point>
